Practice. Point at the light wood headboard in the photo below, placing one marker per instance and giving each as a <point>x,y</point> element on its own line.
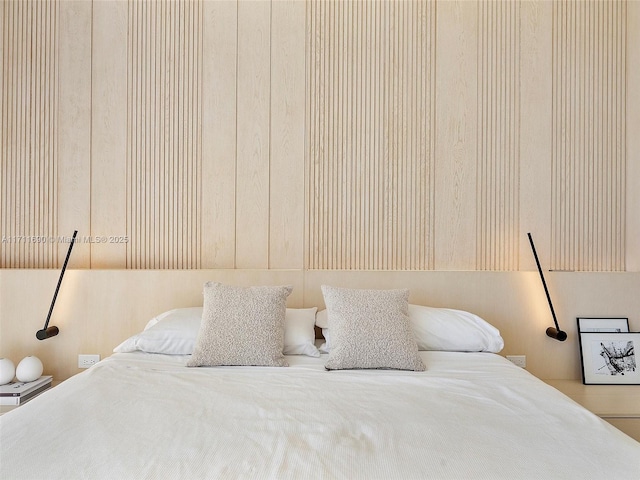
<point>98,309</point>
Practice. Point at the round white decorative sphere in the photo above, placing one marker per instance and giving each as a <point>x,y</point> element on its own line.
<point>7,371</point>
<point>29,369</point>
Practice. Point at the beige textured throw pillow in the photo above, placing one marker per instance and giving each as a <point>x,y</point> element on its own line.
<point>241,326</point>
<point>370,329</point>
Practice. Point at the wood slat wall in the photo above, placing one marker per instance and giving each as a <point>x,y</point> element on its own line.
<point>164,157</point>
<point>498,205</point>
<point>391,135</point>
<point>371,119</point>
<point>589,135</point>
<point>29,133</point>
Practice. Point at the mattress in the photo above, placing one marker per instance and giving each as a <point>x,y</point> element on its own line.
<point>468,416</point>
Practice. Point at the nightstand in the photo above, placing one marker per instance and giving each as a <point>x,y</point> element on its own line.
<point>617,404</point>
<point>7,408</point>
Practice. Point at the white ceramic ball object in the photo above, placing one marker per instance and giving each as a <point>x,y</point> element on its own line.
<point>29,369</point>
<point>7,371</point>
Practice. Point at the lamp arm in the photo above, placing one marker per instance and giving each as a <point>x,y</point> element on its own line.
<point>47,331</point>
<point>551,331</point>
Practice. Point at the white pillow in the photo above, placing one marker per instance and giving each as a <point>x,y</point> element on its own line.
<point>453,330</point>
<point>299,332</point>
<point>322,319</point>
<point>380,317</point>
<point>325,347</point>
<point>169,313</point>
<point>174,333</point>
<point>443,329</point>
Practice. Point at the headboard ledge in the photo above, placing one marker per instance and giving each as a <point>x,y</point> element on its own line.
<point>98,309</point>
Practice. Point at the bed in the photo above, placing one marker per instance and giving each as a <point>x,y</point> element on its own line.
<point>461,411</point>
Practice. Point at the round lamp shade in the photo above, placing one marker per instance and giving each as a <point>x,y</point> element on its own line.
<point>7,371</point>
<point>29,369</point>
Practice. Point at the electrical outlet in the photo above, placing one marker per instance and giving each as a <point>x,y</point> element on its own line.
<point>519,360</point>
<point>85,361</point>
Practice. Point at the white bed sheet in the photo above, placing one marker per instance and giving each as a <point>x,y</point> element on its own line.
<point>469,416</point>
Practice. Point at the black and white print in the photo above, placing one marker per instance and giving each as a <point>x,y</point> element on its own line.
<point>610,358</point>
<point>614,358</point>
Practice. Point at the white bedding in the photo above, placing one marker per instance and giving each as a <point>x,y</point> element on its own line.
<point>469,415</point>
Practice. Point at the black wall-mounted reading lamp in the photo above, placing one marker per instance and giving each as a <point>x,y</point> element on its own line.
<point>553,332</point>
<point>52,331</point>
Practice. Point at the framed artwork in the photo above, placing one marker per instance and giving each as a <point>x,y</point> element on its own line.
<point>603,324</point>
<point>609,358</point>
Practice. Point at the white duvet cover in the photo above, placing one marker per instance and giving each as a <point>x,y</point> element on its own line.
<point>469,416</point>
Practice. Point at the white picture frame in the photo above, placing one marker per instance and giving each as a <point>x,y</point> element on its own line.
<point>603,324</point>
<point>610,358</point>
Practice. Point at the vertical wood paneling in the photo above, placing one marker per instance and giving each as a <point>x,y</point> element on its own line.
<point>370,112</point>
<point>74,129</point>
<point>498,127</point>
<point>287,134</point>
<point>164,118</point>
<point>29,134</point>
<point>214,134</point>
<point>456,135</point>
<point>589,136</point>
<point>632,227</point>
<point>109,133</point>
<point>253,141</point>
<point>535,130</point>
<point>219,139</point>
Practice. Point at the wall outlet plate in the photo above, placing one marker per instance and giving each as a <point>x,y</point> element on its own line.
<point>86,361</point>
<point>519,360</point>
